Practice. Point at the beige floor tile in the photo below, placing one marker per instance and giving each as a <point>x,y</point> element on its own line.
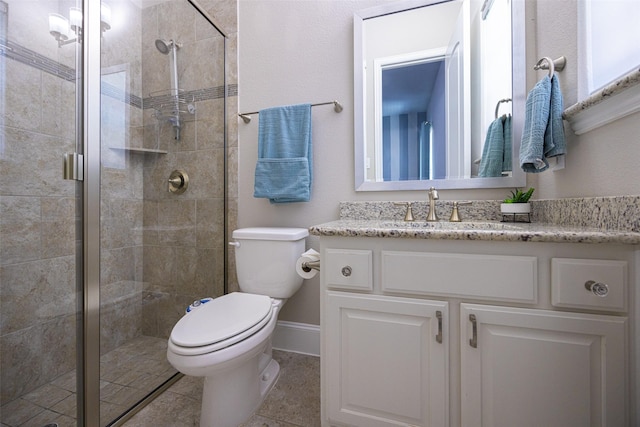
<point>293,402</point>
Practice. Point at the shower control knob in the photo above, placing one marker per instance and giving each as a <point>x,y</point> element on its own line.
<point>178,182</point>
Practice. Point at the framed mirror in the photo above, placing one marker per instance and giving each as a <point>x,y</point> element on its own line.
<point>439,88</point>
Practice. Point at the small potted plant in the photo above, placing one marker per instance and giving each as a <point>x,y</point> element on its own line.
<point>518,203</point>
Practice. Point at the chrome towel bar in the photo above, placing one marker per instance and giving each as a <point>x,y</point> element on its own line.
<point>337,107</point>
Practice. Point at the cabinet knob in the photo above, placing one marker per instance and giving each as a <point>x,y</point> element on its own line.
<point>346,271</point>
<point>597,288</point>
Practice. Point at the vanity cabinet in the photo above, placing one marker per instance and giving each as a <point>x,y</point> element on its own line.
<point>418,332</point>
<point>522,367</point>
<point>386,360</point>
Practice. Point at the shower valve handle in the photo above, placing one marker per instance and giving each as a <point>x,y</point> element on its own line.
<point>177,181</point>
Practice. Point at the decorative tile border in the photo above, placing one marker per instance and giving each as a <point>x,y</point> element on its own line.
<point>26,56</point>
<point>33,59</point>
<point>191,95</point>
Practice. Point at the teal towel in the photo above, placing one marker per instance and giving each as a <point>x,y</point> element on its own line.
<point>536,118</point>
<point>554,140</point>
<point>493,150</point>
<point>543,134</point>
<point>507,161</point>
<point>496,153</point>
<point>284,168</point>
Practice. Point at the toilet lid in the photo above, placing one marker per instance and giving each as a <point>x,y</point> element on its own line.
<point>221,319</point>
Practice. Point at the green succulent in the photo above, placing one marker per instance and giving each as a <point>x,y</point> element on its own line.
<point>518,196</point>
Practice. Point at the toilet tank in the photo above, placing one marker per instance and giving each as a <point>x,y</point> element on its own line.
<point>266,259</point>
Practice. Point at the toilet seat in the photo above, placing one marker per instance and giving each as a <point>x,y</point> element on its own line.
<point>220,323</point>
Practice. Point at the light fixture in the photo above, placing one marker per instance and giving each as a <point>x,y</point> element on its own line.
<point>105,17</point>
<point>59,26</point>
<point>75,19</point>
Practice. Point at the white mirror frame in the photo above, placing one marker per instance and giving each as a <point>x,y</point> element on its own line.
<point>518,178</point>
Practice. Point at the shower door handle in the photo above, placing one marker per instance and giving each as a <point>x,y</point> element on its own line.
<point>73,167</point>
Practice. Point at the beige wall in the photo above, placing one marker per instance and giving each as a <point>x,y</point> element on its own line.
<point>602,162</point>
<point>301,51</point>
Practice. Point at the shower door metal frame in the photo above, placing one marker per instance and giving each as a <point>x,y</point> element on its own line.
<point>88,373</point>
<point>225,167</point>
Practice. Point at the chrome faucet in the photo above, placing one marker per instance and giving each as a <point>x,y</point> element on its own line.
<point>433,196</point>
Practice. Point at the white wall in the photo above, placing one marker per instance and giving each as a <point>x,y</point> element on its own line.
<point>302,51</point>
<point>603,162</point>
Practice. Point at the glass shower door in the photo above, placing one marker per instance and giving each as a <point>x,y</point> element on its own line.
<point>162,243</point>
<point>40,215</point>
<point>132,363</point>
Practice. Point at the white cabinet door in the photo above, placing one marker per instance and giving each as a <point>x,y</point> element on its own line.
<point>541,368</point>
<point>386,360</point>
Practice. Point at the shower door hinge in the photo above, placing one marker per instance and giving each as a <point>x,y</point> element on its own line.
<point>73,166</point>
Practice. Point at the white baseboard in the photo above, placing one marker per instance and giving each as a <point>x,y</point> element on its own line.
<point>297,337</point>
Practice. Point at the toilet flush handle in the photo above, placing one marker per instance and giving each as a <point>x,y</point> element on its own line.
<point>236,244</point>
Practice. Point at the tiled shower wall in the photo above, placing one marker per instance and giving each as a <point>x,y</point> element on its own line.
<point>158,251</point>
<point>183,234</point>
<point>121,188</point>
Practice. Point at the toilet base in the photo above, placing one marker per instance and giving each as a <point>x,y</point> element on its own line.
<point>230,398</point>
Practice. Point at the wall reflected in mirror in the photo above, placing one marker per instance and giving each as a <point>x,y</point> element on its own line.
<point>412,120</point>
<point>429,79</point>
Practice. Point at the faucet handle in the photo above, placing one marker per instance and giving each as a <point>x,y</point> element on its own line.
<point>455,216</point>
<point>433,194</point>
<point>408,216</point>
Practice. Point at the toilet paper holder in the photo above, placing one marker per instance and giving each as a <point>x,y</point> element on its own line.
<point>307,266</point>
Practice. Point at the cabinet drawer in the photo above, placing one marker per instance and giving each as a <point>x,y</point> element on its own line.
<point>571,278</point>
<point>494,277</point>
<point>348,269</point>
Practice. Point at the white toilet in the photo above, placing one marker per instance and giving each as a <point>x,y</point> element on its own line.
<point>228,340</point>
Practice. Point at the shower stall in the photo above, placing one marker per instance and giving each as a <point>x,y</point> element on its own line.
<point>106,106</point>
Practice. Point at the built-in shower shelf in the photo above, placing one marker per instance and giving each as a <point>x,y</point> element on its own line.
<point>140,150</point>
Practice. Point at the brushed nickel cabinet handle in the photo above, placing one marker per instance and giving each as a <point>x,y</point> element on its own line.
<point>473,342</point>
<point>439,335</point>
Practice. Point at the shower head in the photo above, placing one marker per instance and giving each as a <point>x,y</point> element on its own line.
<point>164,46</point>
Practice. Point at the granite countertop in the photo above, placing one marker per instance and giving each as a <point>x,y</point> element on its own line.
<point>472,230</point>
<point>614,88</point>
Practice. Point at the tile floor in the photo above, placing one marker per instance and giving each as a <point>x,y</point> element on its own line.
<point>128,373</point>
<point>293,402</point>
<point>132,370</point>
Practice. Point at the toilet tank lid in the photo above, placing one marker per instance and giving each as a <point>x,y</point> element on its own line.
<point>270,233</point>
